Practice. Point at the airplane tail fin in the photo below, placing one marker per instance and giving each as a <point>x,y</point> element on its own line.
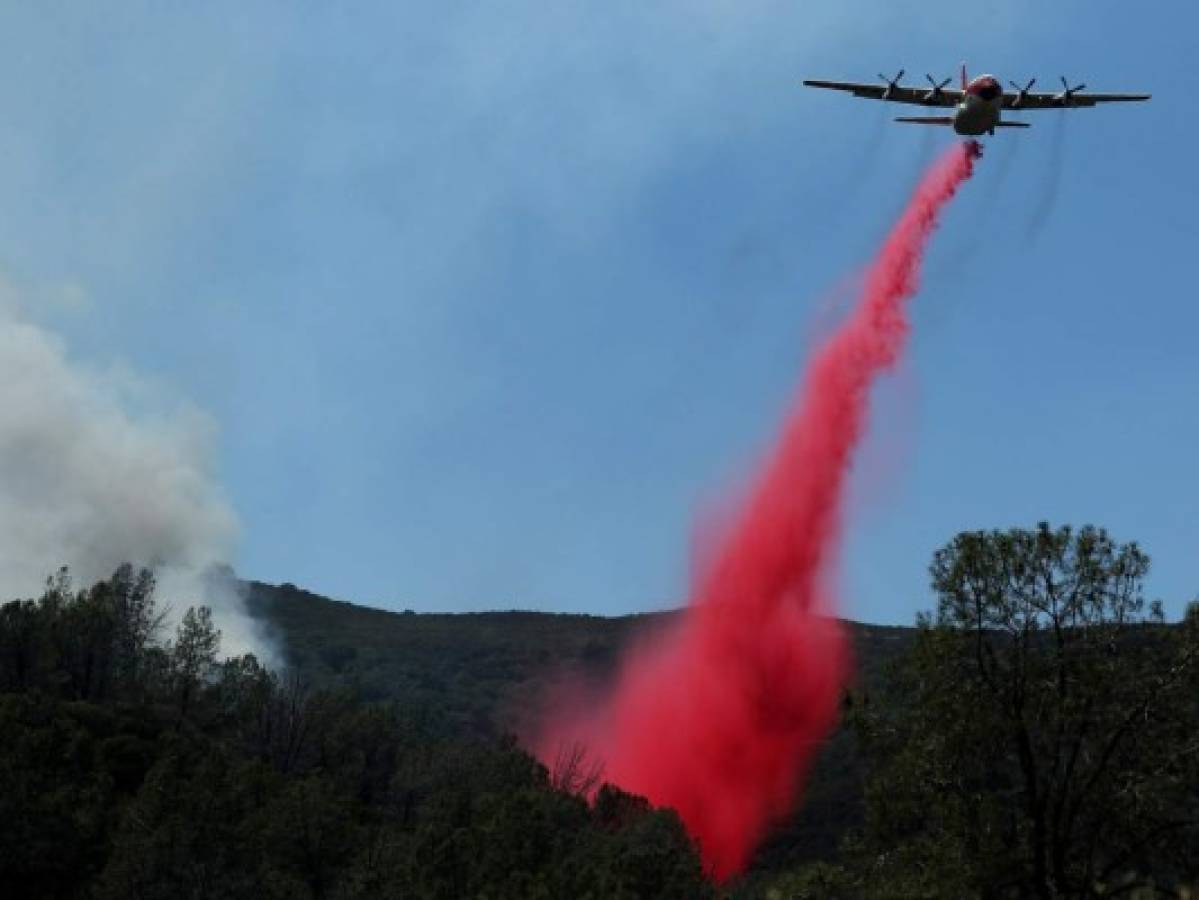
<point>965,79</point>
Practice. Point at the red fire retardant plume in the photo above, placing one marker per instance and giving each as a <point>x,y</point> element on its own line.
<point>721,718</point>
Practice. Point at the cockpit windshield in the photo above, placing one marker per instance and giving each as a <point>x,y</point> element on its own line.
<point>986,88</point>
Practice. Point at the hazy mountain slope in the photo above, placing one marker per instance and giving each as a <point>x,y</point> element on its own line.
<point>482,673</point>
<point>483,670</point>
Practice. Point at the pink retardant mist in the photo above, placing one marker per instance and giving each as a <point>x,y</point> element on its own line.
<point>720,717</point>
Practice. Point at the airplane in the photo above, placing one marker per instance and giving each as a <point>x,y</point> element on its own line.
<point>979,105</point>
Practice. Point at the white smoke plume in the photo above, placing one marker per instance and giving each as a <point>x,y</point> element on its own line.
<point>92,476</point>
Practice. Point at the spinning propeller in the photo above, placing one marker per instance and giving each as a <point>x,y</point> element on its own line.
<point>1022,92</point>
<point>892,84</point>
<point>935,95</point>
<point>1067,95</point>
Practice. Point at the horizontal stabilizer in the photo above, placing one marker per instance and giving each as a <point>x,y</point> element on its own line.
<point>926,120</point>
<point>1012,125</point>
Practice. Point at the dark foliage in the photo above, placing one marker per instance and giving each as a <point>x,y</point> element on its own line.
<point>131,767</point>
<point>483,674</point>
<point>1040,740</point>
<point>1035,737</point>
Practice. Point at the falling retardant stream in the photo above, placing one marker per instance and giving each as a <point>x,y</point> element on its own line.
<point>720,717</point>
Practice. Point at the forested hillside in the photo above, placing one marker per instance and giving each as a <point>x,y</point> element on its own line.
<point>485,674</point>
<point>140,765</point>
<point>485,671</point>
<point>1033,736</point>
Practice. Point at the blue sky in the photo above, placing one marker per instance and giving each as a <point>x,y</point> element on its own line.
<point>487,301</point>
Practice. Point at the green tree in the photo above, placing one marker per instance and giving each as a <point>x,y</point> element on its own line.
<point>193,656</point>
<point>191,831</point>
<point>136,621</point>
<point>52,801</point>
<point>647,852</point>
<point>308,836</point>
<point>90,645</point>
<point>133,768</point>
<point>1041,740</point>
<point>22,645</point>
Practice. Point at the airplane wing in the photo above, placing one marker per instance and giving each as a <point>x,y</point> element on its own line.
<point>894,92</point>
<point>1064,99</point>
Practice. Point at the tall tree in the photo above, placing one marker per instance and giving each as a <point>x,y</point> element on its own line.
<point>136,616</point>
<point>22,645</point>
<point>193,656</point>
<point>1044,739</point>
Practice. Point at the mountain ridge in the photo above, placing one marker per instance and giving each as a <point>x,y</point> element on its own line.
<point>487,674</point>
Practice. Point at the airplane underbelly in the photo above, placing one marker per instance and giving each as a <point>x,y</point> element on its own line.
<point>976,118</point>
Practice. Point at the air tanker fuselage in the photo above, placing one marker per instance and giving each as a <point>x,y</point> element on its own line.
<point>981,105</point>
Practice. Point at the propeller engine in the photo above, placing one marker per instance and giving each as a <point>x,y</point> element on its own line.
<point>1066,97</point>
<point>892,84</point>
<point>1022,92</point>
<point>936,95</point>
